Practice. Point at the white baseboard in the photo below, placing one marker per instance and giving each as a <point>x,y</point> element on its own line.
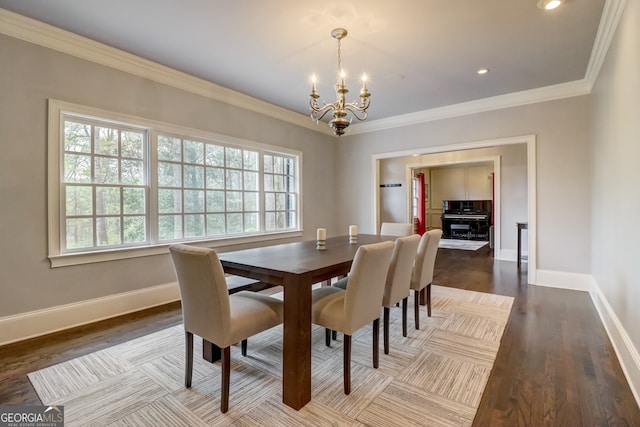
<point>561,279</point>
<point>625,350</point>
<point>35,323</point>
<point>509,255</point>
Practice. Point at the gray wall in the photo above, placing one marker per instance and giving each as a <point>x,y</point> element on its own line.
<point>615,179</point>
<point>31,74</point>
<point>563,156</point>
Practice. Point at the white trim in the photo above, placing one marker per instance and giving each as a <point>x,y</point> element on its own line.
<point>564,280</point>
<point>622,344</point>
<point>611,15</point>
<point>532,96</point>
<point>530,140</point>
<point>33,31</point>
<point>36,323</point>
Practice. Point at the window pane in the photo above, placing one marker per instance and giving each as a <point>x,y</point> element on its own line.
<point>108,201</point>
<point>132,172</point>
<point>251,181</point>
<point>194,152</point>
<point>106,141</point>
<point>289,166</point>
<point>251,201</point>
<point>108,231</point>
<point>169,148</point>
<point>234,201</point>
<point>251,221</point>
<point>133,200</point>
<point>270,201</point>
<point>169,175</point>
<point>77,168</point>
<point>215,155</point>
<point>170,227</point>
<point>134,229</point>
<point>280,198</point>
<point>215,224</point>
<point>194,225</point>
<point>79,201</point>
<point>291,202</point>
<point>132,144</point>
<point>234,158</point>
<point>169,201</point>
<point>106,170</point>
<point>278,165</point>
<point>215,201</point>
<point>79,233</point>
<point>234,223</point>
<point>291,217</point>
<point>268,182</point>
<point>270,221</point>
<point>215,178</point>
<point>77,137</point>
<point>278,183</point>
<point>251,160</point>
<point>281,220</point>
<point>234,180</point>
<point>268,163</point>
<point>193,201</point>
<point>193,176</point>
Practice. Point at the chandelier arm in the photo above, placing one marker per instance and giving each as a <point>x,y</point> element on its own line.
<point>357,112</point>
<point>318,113</point>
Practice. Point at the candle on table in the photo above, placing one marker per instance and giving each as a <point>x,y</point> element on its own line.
<point>353,230</point>
<point>321,234</point>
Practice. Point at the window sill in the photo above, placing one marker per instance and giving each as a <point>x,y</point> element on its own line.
<point>78,258</point>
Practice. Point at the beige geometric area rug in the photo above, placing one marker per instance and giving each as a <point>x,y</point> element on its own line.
<point>433,377</point>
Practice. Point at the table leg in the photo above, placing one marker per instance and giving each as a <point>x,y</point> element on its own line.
<point>296,352</point>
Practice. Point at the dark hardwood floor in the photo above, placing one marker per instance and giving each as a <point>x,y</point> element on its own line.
<point>555,365</point>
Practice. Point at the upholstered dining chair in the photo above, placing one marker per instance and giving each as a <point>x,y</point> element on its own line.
<point>211,313</point>
<point>396,229</point>
<point>422,274</point>
<point>347,310</point>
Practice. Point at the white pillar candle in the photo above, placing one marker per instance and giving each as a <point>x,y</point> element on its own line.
<point>321,234</point>
<point>353,230</point>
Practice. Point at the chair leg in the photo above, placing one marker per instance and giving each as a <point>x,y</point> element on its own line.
<point>226,372</point>
<point>347,364</point>
<point>404,316</point>
<point>376,342</point>
<point>327,337</point>
<point>244,347</point>
<point>188,370</point>
<point>416,308</point>
<point>334,335</point>
<point>429,300</point>
<point>386,330</point>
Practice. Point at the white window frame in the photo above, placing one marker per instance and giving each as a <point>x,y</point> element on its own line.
<point>59,258</point>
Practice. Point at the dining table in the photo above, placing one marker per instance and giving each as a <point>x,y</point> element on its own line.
<point>297,267</point>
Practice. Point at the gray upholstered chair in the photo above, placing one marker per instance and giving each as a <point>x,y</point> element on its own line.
<point>398,282</point>
<point>422,274</point>
<point>396,229</point>
<point>211,313</point>
<point>347,310</point>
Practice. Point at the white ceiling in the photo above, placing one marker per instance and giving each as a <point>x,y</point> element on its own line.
<point>418,54</point>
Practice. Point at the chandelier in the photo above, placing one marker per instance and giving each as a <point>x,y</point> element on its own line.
<point>340,108</point>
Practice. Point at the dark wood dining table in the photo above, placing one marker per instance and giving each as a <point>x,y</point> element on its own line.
<point>296,267</point>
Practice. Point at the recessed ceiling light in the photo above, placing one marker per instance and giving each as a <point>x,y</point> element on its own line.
<point>482,71</point>
<point>549,4</point>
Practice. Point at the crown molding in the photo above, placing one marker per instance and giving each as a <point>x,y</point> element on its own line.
<point>611,15</point>
<point>46,35</point>
<point>532,96</point>
<point>36,32</point>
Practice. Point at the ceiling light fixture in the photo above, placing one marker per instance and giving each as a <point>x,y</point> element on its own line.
<point>340,108</point>
<point>549,4</point>
<point>482,71</point>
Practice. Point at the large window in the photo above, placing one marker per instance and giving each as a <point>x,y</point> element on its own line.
<point>122,183</point>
